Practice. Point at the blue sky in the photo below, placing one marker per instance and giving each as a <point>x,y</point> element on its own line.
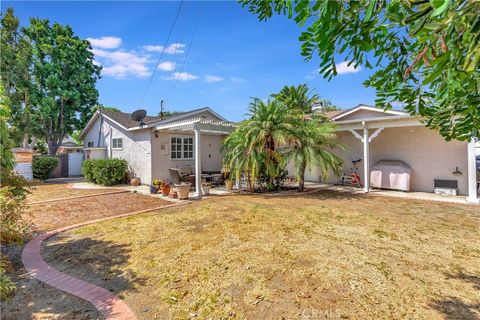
<point>219,55</point>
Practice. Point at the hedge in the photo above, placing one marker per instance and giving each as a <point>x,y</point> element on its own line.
<point>43,166</point>
<point>106,172</point>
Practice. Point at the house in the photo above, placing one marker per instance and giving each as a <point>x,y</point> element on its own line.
<point>69,145</point>
<point>155,145</point>
<point>373,134</point>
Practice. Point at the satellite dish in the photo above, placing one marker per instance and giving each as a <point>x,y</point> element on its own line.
<point>139,115</point>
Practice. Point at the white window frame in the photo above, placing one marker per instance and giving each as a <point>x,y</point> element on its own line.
<point>117,140</point>
<point>182,145</point>
<point>92,144</point>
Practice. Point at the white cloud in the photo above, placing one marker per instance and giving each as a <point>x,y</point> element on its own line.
<point>166,66</point>
<point>171,49</point>
<point>121,64</point>
<point>211,79</point>
<point>181,76</point>
<point>105,42</point>
<point>238,80</point>
<point>344,68</point>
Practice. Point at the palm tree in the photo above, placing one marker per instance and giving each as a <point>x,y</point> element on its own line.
<point>254,145</point>
<point>298,97</point>
<point>313,144</point>
<point>313,141</point>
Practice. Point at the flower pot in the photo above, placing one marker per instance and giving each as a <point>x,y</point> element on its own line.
<point>135,182</point>
<point>153,189</point>
<point>206,190</point>
<point>165,190</point>
<point>229,184</point>
<point>182,190</point>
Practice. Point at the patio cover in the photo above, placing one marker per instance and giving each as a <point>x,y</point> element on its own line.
<point>198,125</point>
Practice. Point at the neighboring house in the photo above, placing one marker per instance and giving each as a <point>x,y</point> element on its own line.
<point>69,145</point>
<point>375,134</point>
<point>156,145</point>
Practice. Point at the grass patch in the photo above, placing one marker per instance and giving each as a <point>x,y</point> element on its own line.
<point>260,258</point>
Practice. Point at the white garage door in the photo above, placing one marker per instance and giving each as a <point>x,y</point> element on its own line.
<point>75,160</point>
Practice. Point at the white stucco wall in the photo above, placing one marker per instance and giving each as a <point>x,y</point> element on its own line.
<point>161,161</point>
<point>423,149</point>
<point>136,146</point>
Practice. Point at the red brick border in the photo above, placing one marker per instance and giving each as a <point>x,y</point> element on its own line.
<point>112,307</point>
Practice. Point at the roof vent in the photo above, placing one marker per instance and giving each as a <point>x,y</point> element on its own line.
<point>139,115</point>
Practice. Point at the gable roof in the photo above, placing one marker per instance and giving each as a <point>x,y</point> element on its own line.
<point>124,119</point>
<point>344,113</point>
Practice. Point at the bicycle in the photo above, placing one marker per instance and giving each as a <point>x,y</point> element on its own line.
<point>353,178</point>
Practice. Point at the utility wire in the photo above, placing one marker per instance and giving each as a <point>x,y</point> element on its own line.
<point>161,54</point>
<point>187,53</point>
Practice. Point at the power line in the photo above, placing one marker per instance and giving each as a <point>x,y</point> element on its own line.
<point>187,54</point>
<point>161,54</point>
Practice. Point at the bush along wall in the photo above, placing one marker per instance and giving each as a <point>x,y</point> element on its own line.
<point>106,172</point>
<point>43,167</point>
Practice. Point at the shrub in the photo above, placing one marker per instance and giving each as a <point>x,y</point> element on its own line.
<point>43,167</point>
<point>87,170</point>
<point>7,287</point>
<point>13,190</point>
<point>106,172</point>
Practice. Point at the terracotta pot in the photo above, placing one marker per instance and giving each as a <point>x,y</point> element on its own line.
<point>135,182</point>
<point>206,190</point>
<point>165,190</point>
<point>229,184</point>
<point>183,190</point>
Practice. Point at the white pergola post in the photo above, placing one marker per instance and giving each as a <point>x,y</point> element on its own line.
<point>472,172</point>
<point>198,163</point>
<point>366,160</point>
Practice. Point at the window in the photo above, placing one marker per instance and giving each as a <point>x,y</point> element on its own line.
<point>117,143</point>
<point>181,148</point>
<point>90,144</point>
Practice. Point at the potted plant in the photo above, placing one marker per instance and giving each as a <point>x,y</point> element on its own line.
<point>156,185</point>
<point>228,184</point>
<point>183,189</point>
<point>165,189</point>
<point>226,179</point>
<point>206,186</point>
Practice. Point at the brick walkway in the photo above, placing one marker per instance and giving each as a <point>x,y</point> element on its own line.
<point>107,303</point>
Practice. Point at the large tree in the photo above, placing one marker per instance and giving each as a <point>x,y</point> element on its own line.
<point>426,53</point>
<point>15,70</point>
<point>64,78</point>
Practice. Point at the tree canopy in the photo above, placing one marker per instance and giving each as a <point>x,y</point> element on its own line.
<point>281,130</point>
<point>425,53</point>
<point>50,77</point>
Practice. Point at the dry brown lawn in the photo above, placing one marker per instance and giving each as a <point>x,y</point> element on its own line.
<point>50,191</point>
<point>327,255</point>
<point>36,300</point>
<point>52,215</point>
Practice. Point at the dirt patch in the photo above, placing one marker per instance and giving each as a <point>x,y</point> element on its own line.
<point>47,191</point>
<point>328,255</point>
<point>36,300</point>
<point>52,215</point>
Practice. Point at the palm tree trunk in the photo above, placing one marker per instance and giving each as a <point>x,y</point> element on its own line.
<point>301,177</point>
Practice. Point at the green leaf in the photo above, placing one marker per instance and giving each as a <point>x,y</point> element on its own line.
<point>371,6</point>
<point>440,6</point>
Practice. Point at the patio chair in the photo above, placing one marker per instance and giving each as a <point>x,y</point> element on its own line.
<point>178,178</point>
